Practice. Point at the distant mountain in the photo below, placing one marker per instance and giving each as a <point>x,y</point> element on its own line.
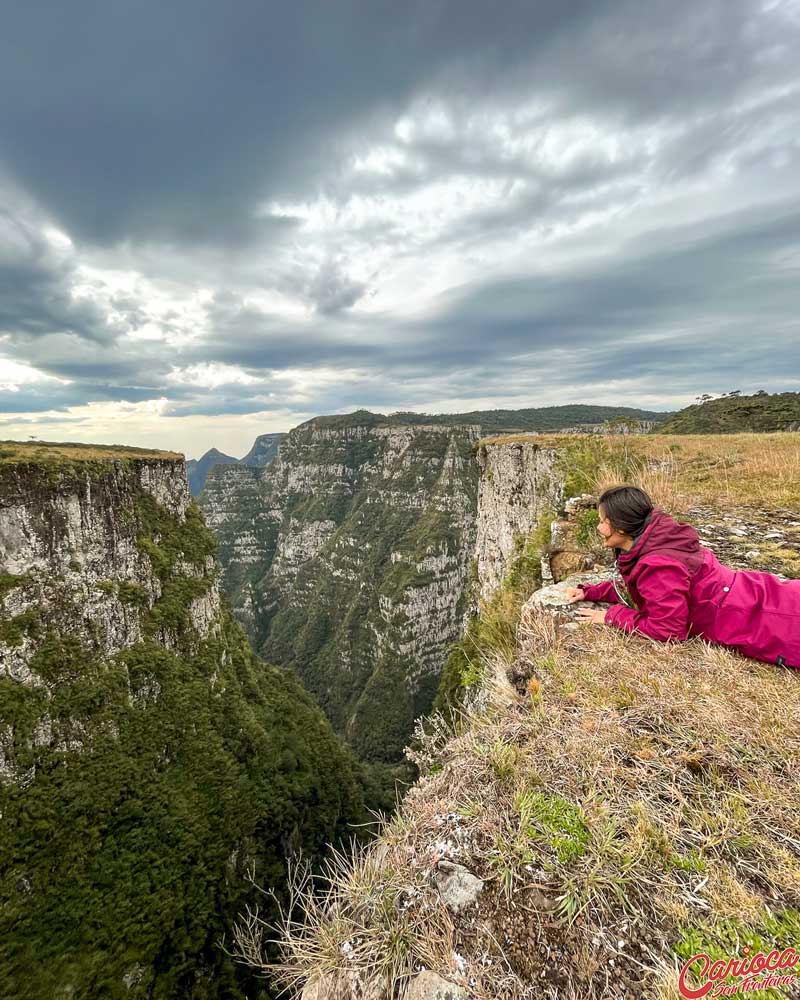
<point>265,448</point>
<point>540,418</point>
<point>198,468</point>
<point>733,413</point>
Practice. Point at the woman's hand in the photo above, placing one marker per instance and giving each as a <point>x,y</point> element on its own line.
<point>591,616</point>
<point>575,594</point>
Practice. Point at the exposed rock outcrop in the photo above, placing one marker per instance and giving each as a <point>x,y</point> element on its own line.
<point>520,481</point>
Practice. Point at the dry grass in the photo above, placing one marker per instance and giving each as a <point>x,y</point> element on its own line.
<point>54,452</point>
<point>730,470</point>
<point>727,470</point>
<point>622,797</point>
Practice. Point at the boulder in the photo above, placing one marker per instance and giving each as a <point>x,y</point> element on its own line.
<point>457,886</point>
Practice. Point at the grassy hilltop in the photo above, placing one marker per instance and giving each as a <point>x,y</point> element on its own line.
<point>731,414</point>
<point>53,452</point>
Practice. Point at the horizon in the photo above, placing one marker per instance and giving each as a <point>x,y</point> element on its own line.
<point>219,222</point>
<point>345,412</point>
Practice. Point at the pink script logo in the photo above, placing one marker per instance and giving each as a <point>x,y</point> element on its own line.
<point>756,973</point>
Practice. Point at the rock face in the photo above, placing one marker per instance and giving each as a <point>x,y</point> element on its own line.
<point>74,551</point>
<point>519,482</point>
<point>265,448</point>
<point>146,757</point>
<point>348,560</point>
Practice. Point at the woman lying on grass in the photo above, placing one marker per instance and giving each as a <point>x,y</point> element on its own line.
<point>679,589</point>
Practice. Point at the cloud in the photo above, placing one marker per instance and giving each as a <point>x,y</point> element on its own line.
<point>298,209</point>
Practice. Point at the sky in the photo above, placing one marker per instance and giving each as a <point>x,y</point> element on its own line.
<point>219,219</point>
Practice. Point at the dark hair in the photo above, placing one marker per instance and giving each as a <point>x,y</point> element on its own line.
<point>627,508</point>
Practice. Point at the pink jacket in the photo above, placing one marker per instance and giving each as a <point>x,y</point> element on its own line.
<point>680,589</point>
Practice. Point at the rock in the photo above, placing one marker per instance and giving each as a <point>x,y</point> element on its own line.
<point>73,543</point>
<point>351,987</point>
<point>585,501</point>
<point>570,561</point>
<point>458,887</point>
<point>752,554</point>
<point>555,596</point>
<point>430,986</point>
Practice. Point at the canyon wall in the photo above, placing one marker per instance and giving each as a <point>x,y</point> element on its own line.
<point>147,759</point>
<point>348,560</point>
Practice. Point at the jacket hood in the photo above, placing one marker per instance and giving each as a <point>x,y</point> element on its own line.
<point>665,535</point>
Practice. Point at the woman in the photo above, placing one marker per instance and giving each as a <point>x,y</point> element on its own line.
<point>679,588</point>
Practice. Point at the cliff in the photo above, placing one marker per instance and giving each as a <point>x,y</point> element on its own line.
<point>519,482</point>
<point>147,759</point>
<point>265,448</point>
<point>601,808</point>
<point>348,558</point>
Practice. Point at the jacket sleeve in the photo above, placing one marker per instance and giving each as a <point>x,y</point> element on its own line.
<point>605,592</point>
<point>664,590</point>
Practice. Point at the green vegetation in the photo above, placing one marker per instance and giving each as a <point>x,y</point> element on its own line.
<point>10,581</point>
<point>542,418</point>
<point>165,539</point>
<point>147,783</point>
<point>555,820</point>
<point>586,530</point>
<point>132,593</point>
<point>13,630</point>
<point>734,413</point>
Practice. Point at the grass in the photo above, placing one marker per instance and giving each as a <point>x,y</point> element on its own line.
<point>48,452</point>
<point>621,807</point>
<point>731,470</point>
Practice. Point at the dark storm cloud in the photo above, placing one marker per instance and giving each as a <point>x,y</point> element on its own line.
<point>696,301</point>
<point>694,277</point>
<point>172,121</point>
<point>37,398</point>
<point>190,145</point>
<point>153,120</point>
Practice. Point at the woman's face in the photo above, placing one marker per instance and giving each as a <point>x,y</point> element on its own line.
<point>612,539</point>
